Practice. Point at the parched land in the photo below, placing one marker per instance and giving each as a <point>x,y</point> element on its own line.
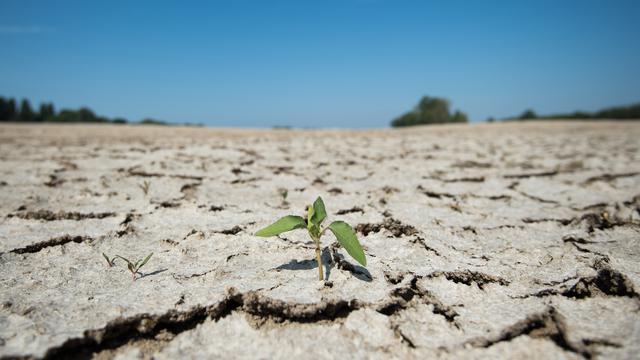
<point>482,241</point>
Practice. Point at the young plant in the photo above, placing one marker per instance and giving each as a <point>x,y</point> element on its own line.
<point>110,262</point>
<point>145,187</point>
<point>316,214</point>
<point>134,267</point>
<point>283,194</point>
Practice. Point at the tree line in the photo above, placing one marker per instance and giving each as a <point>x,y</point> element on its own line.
<point>630,112</point>
<point>10,110</point>
<point>435,110</point>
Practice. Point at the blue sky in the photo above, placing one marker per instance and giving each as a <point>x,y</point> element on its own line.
<point>329,63</point>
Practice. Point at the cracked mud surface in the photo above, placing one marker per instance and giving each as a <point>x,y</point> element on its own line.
<point>484,241</point>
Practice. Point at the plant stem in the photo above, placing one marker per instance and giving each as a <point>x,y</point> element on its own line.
<point>319,259</point>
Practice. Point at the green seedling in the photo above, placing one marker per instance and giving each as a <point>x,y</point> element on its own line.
<point>145,187</point>
<point>316,214</point>
<point>134,267</point>
<point>110,262</point>
<point>283,194</point>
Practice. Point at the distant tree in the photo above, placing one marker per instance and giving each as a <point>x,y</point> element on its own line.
<point>490,119</point>
<point>119,121</point>
<point>12,109</point>
<point>7,109</point>
<point>459,117</point>
<point>26,113</point>
<point>408,119</point>
<point>433,110</point>
<point>528,115</point>
<point>430,110</point>
<point>87,115</point>
<point>47,112</point>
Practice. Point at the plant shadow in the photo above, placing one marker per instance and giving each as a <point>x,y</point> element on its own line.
<point>143,275</point>
<point>329,261</point>
<point>299,265</point>
<point>359,272</point>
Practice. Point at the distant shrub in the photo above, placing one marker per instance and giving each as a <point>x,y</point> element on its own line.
<point>528,115</point>
<point>459,117</point>
<point>430,110</point>
<point>150,121</point>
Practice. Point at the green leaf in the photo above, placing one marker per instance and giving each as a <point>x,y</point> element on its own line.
<point>319,213</point>
<point>287,223</point>
<point>349,241</point>
<point>145,260</point>
<point>131,268</point>
<point>124,258</point>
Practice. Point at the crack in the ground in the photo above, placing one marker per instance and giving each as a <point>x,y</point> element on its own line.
<point>593,221</point>
<point>134,171</point>
<point>602,221</point>
<point>233,231</point>
<point>245,181</point>
<point>421,241</point>
<point>48,215</point>
<point>54,181</point>
<point>259,308</point>
<point>469,277</point>
<point>403,296</point>
<point>607,282</point>
<point>395,227</point>
<point>548,324</point>
<point>126,226</point>
<point>189,190</point>
<point>530,175</point>
<point>465,179</point>
<point>56,241</point>
<point>440,195</point>
<point>541,220</point>
<point>609,177</point>
<point>349,211</point>
<point>538,199</point>
<point>146,326</point>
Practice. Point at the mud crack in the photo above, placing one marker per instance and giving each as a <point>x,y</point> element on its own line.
<point>147,326</point>
<point>48,215</point>
<point>607,282</point>
<point>57,241</point>
<point>469,277</point>
<point>548,324</point>
<point>395,227</point>
<point>609,177</point>
<point>403,297</point>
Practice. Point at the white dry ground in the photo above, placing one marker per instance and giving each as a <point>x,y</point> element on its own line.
<point>482,241</point>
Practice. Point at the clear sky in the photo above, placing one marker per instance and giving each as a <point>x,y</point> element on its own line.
<point>324,63</point>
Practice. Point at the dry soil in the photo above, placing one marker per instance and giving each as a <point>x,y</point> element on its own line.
<point>482,241</point>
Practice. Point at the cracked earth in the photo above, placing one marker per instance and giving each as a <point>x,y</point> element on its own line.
<point>482,241</point>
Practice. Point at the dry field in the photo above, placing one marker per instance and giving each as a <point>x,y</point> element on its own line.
<point>482,241</point>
